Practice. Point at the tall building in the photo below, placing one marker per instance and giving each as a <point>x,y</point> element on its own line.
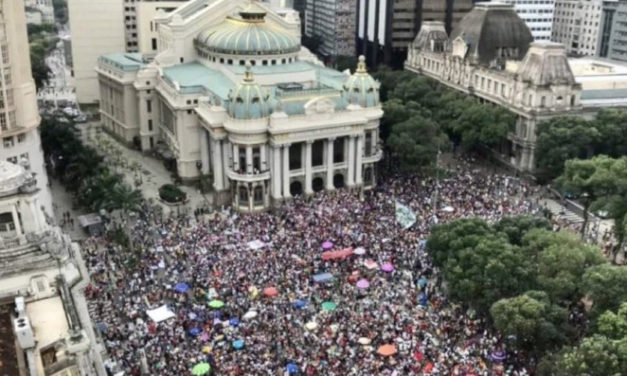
<point>537,14</point>
<point>613,34</point>
<point>334,22</point>
<point>385,28</point>
<point>261,116</point>
<point>19,116</point>
<point>133,10</point>
<point>576,24</point>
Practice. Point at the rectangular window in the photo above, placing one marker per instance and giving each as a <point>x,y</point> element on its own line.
<point>3,121</point>
<point>21,137</point>
<point>8,142</point>
<point>149,125</point>
<point>148,105</point>
<point>154,44</point>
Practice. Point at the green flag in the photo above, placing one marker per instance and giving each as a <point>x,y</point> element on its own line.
<point>404,216</point>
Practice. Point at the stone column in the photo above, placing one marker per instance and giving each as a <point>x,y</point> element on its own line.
<point>34,214</point>
<point>204,151</point>
<point>276,172</point>
<point>350,180</point>
<point>235,158</point>
<point>263,158</point>
<point>286,171</point>
<point>308,167</point>
<point>249,159</point>
<point>16,220</point>
<point>218,181</point>
<point>374,140</point>
<point>329,185</point>
<point>225,162</point>
<point>359,160</point>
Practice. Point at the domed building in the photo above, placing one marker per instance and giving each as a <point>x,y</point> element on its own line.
<point>233,98</point>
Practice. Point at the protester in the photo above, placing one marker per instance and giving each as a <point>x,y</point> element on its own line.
<point>234,258</point>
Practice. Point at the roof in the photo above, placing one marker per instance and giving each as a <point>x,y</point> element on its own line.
<point>491,26</point>
<point>430,30</point>
<point>128,62</point>
<point>546,64</point>
<point>195,78</point>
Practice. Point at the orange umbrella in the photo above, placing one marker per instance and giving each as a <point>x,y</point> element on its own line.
<point>428,368</point>
<point>271,291</point>
<point>387,350</point>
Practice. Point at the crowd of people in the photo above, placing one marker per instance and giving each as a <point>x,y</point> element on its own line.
<point>276,318</point>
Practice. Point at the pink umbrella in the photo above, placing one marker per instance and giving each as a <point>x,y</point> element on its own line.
<point>327,245</point>
<point>369,264</point>
<point>387,267</point>
<point>363,284</point>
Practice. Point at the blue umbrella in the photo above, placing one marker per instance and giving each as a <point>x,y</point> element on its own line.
<point>181,287</point>
<point>194,331</point>
<point>323,277</point>
<point>101,326</point>
<point>291,368</point>
<point>423,299</point>
<point>238,345</point>
<point>299,304</point>
<point>422,282</point>
<point>234,322</point>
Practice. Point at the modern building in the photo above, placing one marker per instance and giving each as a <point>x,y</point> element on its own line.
<point>232,95</point>
<point>386,28</point>
<point>334,22</point>
<point>577,25</point>
<point>491,55</point>
<point>613,34</point>
<point>19,116</point>
<point>45,8</point>
<point>96,28</point>
<point>537,14</point>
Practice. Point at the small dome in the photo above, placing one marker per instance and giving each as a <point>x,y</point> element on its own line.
<point>361,88</point>
<point>249,34</point>
<point>249,101</point>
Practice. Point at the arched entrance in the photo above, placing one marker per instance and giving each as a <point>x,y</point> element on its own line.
<point>317,184</point>
<point>296,188</point>
<point>338,181</point>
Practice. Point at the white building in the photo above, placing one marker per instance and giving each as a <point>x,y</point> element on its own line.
<point>537,14</point>
<point>44,7</point>
<point>232,94</point>
<point>576,24</point>
<point>147,35</point>
<point>19,116</point>
<point>334,21</point>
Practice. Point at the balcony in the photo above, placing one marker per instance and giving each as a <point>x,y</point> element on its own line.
<point>248,178</point>
<point>376,157</point>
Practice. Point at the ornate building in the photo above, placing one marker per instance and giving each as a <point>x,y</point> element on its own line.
<point>232,94</point>
<point>491,55</point>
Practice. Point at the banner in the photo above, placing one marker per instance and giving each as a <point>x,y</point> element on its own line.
<point>404,216</point>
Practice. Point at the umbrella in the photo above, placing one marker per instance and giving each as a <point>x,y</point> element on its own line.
<point>238,345</point>
<point>327,245</point>
<point>291,368</point>
<point>387,350</point>
<point>206,350</point>
<point>270,291</point>
<point>299,304</point>
<point>423,299</point>
<point>364,341</point>
<point>194,331</point>
<point>181,287</point>
<point>360,251</point>
<point>323,277</point>
<point>329,306</point>
<point>498,356</point>
<point>448,209</point>
<point>369,264</point>
<point>250,315</point>
<point>234,322</point>
<point>387,267</point>
<point>363,284</point>
<point>216,304</point>
<point>201,369</point>
<point>422,282</point>
<point>312,325</point>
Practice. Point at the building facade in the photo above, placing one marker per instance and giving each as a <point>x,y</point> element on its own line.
<point>537,14</point>
<point>334,22</point>
<point>45,8</point>
<point>144,35</point>
<point>577,25</point>
<point>491,55</point>
<point>386,28</point>
<point>613,34</point>
<point>261,116</point>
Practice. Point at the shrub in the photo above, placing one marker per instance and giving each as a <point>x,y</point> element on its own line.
<point>171,193</point>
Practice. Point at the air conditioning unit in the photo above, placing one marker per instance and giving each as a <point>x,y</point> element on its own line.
<point>24,333</point>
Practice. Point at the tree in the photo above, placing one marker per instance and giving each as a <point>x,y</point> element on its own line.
<point>417,142</point>
<point>588,179</point>
<point>447,239</point>
<point>614,325</point>
<point>394,112</point>
<point>595,356</point>
<point>605,285</point>
<point>343,63</point>
<point>124,197</point>
<point>517,227</point>
<point>60,11</point>
<point>612,127</point>
<point>532,320</point>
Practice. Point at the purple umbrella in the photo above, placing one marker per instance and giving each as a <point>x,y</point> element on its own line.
<point>327,245</point>
<point>498,356</point>
<point>363,284</point>
<point>387,267</point>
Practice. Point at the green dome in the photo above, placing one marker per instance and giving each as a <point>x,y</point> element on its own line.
<point>248,100</point>
<point>361,88</point>
<point>248,35</point>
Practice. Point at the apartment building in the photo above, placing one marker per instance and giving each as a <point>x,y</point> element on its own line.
<point>576,24</point>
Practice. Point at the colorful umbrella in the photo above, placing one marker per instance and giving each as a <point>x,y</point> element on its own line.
<point>238,344</point>
<point>206,350</point>
<point>327,245</point>
<point>234,322</point>
<point>323,277</point>
<point>387,350</point>
<point>194,332</point>
<point>498,356</point>
<point>201,369</point>
<point>329,306</point>
<point>291,368</point>
<point>337,255</point>
<point>270,291</point>
<point>299,304</point>
<point>363,284</point>
<point>370,264</point>
<point>387,267</point>
<point>422,282</point>
<point>181,287</point>
<point>216,304</point>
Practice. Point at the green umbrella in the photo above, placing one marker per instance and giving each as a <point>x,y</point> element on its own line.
<point>201,369</point>
<point>216,304</point>
<point>329,306</point>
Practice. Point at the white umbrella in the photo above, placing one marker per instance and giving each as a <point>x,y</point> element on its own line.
<point>448,209</point>
<point>364,341</point>
<point>249,315</point>
<point>312,325</point>
<point>360,251</point>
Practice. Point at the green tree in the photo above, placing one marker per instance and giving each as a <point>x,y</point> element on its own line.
<point>343,63</point>
<point>447,239</point>
<point>394,112</point>
<point>517,227</point>
<point>612,127</point>
<point>125,198</point>
<point>614,325</point>
<point>60,11</point>
<point>595,356</point>
<point>605,285</point>
<point>416,143</point>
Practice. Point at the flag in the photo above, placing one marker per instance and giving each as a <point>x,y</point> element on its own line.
<point>404,216</point>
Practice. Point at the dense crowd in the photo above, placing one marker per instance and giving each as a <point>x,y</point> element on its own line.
<point>236,258</point>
